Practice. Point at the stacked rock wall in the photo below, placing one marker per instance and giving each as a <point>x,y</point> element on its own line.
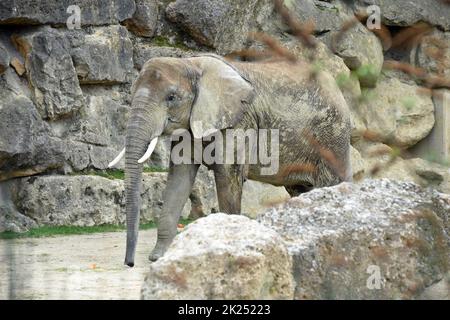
<point>65,93</point>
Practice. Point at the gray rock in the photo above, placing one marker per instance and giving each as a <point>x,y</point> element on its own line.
<point>361,51</point>
<point>430,174</point>
<point>357,46</point>
<point>51,72</point>
<point>26,144</point>
<point>406,12</point>
<point>326,15</point>
<point>438,291</point>
<point>103,56</point>
<point>103,122</point>
<point>10,218</point>
<point>89,199</point>
<point>258,196</point>
<point>203,197</point>
<point>376,240</point>
<point>93,12</point>
<point>144,21</point>
<point>229,257</point>
<point>425,173</point>
<point>433,54</point>
<point>396,113</point>
<point>80,156</point>
<point>223,25</point>
<point>77,155</point>
<point>4,58</point>
<point>359,165</point>
<point>9,55</point>
<point>84,200</point>
<point>144,51</point>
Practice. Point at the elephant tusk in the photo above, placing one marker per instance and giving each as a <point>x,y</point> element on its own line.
<point>149,151</point>
<point>117,159</point>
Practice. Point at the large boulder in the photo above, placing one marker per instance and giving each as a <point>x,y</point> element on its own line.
<point>361,50</point>
<point>10,218</point>
<point>83,200</point>
<point>431,173</point>
<point>326,15</point>
<point>433,54</point>
<point>103,122</point>
<point>406,12</point>
<point>220,24</point>
<point>357,46</point>
<point>380,239</point>
<point>51,72</point>
<point>9,55</point>
<point>229,257</point>
<point>396,113</point>
<point>81,155</point>
<point>104,55</point>
<point>258,196</point>
<point>93,12</point>
<point>203,197</point>
<point>144,21</point>
<point>27,146</point>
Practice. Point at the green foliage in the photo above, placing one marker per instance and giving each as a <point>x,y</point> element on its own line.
<point>366,95</point>
<point>317,66</point>
<point>109,174</point>
<point>342,80</point>
<point>366,73</point>
<point>50,231</point>
<point>366,70</point>
<point>409,103</point>
<point>161,41</point>
<point>154,169</point>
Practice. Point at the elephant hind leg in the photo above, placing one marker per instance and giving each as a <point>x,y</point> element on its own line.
<point>297,190</point>
<point>229,180</point>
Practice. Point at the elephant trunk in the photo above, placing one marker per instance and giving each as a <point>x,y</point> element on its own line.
<point>135,148</point>
<point>140,132</point>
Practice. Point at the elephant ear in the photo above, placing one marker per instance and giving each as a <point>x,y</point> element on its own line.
<point>221,94</point>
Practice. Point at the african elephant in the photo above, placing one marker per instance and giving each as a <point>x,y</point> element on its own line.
<point>173,94</point>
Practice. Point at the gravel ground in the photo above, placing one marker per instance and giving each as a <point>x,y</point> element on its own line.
<point>73,267</point>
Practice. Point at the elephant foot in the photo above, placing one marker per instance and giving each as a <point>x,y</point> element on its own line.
<point>159,250</point>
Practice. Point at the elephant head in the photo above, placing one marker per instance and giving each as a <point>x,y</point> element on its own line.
<point>171,94</point>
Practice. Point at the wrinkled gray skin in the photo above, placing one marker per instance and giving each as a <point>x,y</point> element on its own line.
<point>174,93</point>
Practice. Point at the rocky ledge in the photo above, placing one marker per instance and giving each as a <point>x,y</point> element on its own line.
<point>376,240</point>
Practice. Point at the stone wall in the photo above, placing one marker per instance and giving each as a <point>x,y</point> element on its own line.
<point>65,94</point>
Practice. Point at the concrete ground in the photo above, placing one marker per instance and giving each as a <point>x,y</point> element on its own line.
<point>73,267</point>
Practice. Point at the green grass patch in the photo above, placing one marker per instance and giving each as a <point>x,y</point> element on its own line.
<point>51,231</point>
<point>109,174</point>
<point>155,169</point>
<point>161,41</point>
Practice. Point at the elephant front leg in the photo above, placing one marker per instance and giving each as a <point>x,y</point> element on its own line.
<point>229,181</point>
<point>179,184</point>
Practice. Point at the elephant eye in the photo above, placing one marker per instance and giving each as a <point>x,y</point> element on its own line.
<point>171,97</point>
